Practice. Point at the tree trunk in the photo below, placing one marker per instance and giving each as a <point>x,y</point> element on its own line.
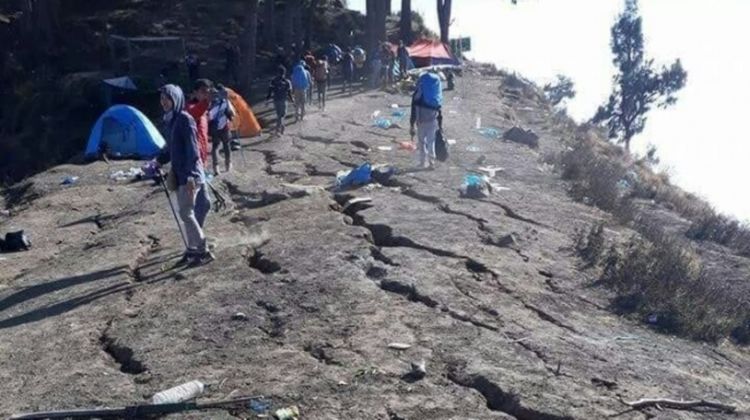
<point>299,29</point>
<point>405,25</point>
<point>444,18</point>
<point>383,9</point>
<point>249,46</point>
<point>287,30</point>
<point>309,19</point>
<point>372,39</point>
<point>269,24</point>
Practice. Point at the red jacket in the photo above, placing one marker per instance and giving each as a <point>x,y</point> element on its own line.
<point>199,111</point>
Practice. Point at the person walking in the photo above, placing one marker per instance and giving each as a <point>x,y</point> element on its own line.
<point>301,80</point>
<point>280,90</point>
<point>218,127</point>
<point>426,113</point>
<point>198,109</point>
<point>321,78</point>
<point>187,171</point>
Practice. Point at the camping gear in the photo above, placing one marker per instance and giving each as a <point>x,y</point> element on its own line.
<point>124,132</point>
<point>382,174</point>
<point>425,53</point>
<point>15,241</point>
<point>430,91</point>
<point>356,177</point>
<point>244,121</point>
<point>161,180</point>
<point>139,411</point>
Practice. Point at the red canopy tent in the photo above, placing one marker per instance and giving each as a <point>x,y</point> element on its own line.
<point>427,52</point>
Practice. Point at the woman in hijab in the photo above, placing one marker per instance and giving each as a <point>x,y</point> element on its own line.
<point>188,171</point>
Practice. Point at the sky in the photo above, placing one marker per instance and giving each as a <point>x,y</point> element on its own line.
<point>702,140</point>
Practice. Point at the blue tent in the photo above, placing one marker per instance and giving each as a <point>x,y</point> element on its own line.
<point>123,131</point>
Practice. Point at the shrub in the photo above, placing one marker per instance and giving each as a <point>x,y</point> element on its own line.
<point>595,177</point>
<point>723,230</point>
<point>590,245</point>
<point>661,280</point>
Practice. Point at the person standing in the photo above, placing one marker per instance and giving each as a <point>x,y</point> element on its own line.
<point>231,62</point>
<point>280,90</point>
<point>426,113</point>
<point>403,59</point>
<point>347,70</point>
<point>187,171</point>
<point>193,67</point>
<point>218,127</point>
<point>301,79</point>
<point>198,109</point>
<point>321,77</point>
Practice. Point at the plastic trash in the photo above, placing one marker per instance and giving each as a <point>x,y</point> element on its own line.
<point>180,393</point>
<point>385,148</point>
<point>382,173</point>
<point>70,180</point>
<point>399,346</point>
<point>383,123</point>
<point>407,145</point>
<point>375,114</point>
<point>472,179</point>
<point>473,149</point>
<point>399,114</point>
<point>290,413</point>
<point>259,406</point>
<point>394,106</point>
<point>478,124</point>
<point>490,133</point>
<point>357,176</point>
<point>451,141</point>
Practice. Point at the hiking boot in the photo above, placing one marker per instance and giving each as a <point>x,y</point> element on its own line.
<point>186,257</point>
<point>202,258</point>
<point>228,167</point>
<point>216,171</point>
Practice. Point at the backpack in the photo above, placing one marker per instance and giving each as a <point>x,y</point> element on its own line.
<point>15,241</point>
<point>321,71</point>
<point>431,91</point>
<point>299,78</point>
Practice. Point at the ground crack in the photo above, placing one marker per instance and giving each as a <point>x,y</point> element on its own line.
<point>547,317</point>
<point>248,200</point>
<point>121,354</point>
<point>512,214</point>
<point>499,399</point>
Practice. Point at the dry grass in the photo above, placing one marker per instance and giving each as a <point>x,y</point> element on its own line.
<point>660,279</point>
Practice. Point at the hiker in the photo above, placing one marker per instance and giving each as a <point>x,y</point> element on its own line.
<point>387,62</point>
<point>360,58</point>
<point>193,67</point>
<point>311,81</point>
<point>231,62</point>
<point>301,80</point>
<point>218,128</point>
<point>280,89</point>
<point>187,171</point>
<point>198,109</point>
<point>321,78</point>
<point>426,106</point>
<point>347,70</point>
<point>403,59</point>
<point>376,69</point>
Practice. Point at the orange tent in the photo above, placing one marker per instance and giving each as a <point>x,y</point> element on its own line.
<point>244,122</point>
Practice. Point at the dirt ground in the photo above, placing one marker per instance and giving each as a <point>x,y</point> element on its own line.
<point>508,326</point>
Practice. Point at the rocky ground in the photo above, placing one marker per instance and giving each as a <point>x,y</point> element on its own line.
<point>489,293</point>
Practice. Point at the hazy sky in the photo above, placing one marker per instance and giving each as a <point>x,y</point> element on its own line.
<point>702,140</point>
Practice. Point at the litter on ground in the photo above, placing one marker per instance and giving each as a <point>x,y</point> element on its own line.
<point>491,171</point>
<point>383,123</point>
<point>407,145</point>
<point>70,180</point>
<point>490,133</point>
<point>356,177</point>
<point>473,149</point>
<point>399,346</point>
<point>385,148</point>
<point>451,141</point>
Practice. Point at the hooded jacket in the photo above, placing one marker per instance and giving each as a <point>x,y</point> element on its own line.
<point>182,138</point>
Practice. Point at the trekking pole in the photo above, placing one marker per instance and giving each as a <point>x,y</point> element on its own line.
<point>171,206</point>
<point>236,136</point>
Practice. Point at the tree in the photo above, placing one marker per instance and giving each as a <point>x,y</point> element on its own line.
<point>637,84</point>
<point>563,88</point>
<point>405,30</point>
<point>377,11</point>
<point>444,19</point>
<point>249,45</point>
<point>269,22</point>
<point>311,9</point>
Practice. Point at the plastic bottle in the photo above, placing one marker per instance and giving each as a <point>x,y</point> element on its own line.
<point>180,393</point>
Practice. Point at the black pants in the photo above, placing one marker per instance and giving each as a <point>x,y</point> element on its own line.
<point>221,137</point>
